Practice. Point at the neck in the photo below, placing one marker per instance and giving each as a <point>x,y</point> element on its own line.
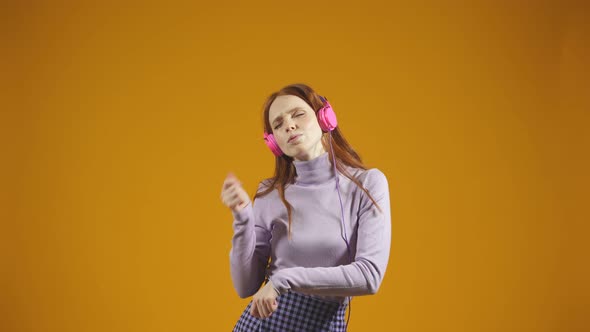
<point>314,171</point>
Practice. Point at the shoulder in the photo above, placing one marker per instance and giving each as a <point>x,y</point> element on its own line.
<point>263,190</point>
<point>263,185</point>
<point>373,180</point>
<point>370,177</point>
<point>377,186</point>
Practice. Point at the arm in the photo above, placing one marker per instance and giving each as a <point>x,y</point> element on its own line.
<point>364,275</point>
<point>249,253</point>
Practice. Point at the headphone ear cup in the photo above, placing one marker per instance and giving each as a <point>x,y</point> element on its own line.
<point>327,117</point>
<point>270,141</point>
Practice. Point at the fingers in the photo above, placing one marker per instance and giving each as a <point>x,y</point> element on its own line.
<point>241,205</point>
<point>270,306</point>
<point>263,308</point>
<point>264,302</point>
<point>230,196</point>
<point>235,198</point>
<point>254,310</point>
<point>230,181</point>
<point>232,193</point>
<point>231,184</point>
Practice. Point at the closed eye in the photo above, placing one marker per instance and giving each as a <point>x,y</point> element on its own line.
<point>295,116</point>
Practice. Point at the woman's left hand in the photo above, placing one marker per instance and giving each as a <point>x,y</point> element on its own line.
<point>264,302</point>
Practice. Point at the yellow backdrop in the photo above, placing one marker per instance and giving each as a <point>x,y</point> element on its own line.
<point>123,119</point>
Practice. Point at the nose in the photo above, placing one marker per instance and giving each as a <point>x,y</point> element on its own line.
<point>290,125</point>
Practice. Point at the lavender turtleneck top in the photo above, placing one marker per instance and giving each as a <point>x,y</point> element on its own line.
<point>315,260</point>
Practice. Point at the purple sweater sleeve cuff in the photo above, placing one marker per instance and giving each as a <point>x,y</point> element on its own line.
<point>279,283</point>
<point>243,215</point>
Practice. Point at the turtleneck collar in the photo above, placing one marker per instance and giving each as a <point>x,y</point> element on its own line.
<point>314,171</point>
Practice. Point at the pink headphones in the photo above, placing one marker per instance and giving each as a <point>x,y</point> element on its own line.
<point>326,119</point>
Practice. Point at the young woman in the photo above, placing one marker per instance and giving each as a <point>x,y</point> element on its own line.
<point>318,232</point>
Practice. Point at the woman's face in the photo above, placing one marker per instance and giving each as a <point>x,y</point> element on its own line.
<point>296,128</point>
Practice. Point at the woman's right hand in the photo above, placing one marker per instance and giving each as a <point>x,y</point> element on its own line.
<point>233,195</point>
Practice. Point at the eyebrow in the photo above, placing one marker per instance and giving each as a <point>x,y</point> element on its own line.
<point>290,111</point>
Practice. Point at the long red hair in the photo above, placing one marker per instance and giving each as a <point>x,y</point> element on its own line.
<point>285,171</point>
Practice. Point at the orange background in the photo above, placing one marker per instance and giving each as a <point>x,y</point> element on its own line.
<point>120,122</point>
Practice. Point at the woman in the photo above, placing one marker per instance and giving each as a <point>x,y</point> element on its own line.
<point>317,232</point>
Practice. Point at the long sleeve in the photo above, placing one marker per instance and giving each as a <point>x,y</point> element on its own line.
<point>249,253</point>
<point>365,274</point>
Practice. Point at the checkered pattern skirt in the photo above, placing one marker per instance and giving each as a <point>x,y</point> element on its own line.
<point>298,313</point>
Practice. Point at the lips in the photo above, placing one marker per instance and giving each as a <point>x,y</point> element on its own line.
<point>293,137</point>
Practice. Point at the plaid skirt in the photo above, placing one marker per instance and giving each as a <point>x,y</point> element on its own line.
<point>296,312</point>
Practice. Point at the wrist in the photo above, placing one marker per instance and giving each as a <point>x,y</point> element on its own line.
<point>241,215</point>
<point>273,287</point>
